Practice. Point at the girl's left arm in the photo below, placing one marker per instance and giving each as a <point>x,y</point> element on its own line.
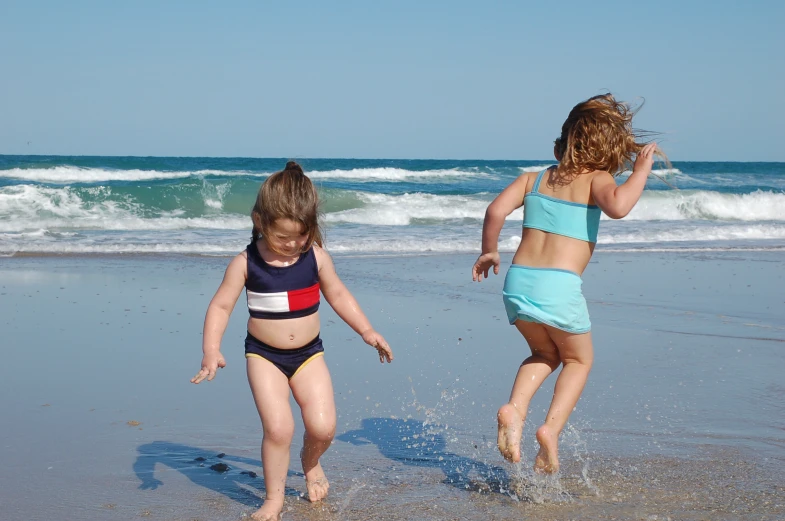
<point>345,305</point>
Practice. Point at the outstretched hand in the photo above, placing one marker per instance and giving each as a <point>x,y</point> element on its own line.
<point>374,339</point>
<point>483,265</point>
<point>210,364</point>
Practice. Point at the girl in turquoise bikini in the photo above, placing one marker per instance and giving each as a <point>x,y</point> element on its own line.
<point>542,291</point>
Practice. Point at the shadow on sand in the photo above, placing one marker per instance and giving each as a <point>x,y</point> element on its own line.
<point>418,444</point>
<point>218,472</point>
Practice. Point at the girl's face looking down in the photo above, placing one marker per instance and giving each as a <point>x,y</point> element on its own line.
<point>287,237</point>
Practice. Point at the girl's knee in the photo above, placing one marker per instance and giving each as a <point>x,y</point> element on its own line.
<point>548,357</point>
<point>323,432</point>
<point>554,360</point>
<point>279,432</point>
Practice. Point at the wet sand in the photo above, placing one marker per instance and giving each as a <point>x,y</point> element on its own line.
<point>683,416</point>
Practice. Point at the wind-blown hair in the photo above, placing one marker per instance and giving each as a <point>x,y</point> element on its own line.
<point>598,135</point>
<point>288,194</point>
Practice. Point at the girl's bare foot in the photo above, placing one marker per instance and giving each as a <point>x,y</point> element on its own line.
<point>510,432</point>
<point>270,511</point>
<point>315,480</point>
<point>316,483</point>
<point>547,460</point>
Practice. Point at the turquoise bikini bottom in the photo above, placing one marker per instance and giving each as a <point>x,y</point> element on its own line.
<point>547,296</point>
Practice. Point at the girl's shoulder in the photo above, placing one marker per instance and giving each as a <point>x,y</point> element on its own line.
<point>238,266</point>
<point>532,175</point>
<point>602,176</point>
<point>321,255</point>
<point>246,252</point>
<point>241,257</point>
<point>524,182</point>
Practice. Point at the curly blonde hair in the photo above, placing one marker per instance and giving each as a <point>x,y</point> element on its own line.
<point>598,135</point>
<point>288,194</point>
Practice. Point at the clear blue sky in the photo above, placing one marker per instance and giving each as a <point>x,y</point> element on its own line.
<point>404,79</point>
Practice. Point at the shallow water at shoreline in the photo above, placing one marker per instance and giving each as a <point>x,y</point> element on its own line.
<point>683,416</point>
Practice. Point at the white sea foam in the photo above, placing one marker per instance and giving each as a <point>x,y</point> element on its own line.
<point>692,233</point>
<point>130,223</point>
<point>535,168</point>
<point>213,195</point>
<point>678,240</point>
<point>75,174</point>
<point>26,208</point>
<point>401,210</point>
<point>394,174</point>
<point>419,245</point>
<point>663,172</point>
<point>373,246</point>
<point>712,206</point>
<point>122,248</point>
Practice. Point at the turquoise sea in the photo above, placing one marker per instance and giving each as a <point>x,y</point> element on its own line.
<point>59,204</point>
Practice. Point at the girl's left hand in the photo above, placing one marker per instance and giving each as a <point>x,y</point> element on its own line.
<point>374,339</point>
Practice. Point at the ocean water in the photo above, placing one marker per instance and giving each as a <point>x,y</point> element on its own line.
<point>55,204</point>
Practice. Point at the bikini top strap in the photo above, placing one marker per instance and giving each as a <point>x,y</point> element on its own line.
<point>536,187</point>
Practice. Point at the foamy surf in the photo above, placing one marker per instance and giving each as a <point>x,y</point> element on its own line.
<point>395,174</point>
<point>202,205</point>
<point>75,175</point>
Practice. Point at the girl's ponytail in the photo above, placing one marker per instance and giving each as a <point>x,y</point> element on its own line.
<point>292,166</point>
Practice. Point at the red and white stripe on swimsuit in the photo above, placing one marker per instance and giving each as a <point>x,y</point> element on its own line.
<point>284,301</point>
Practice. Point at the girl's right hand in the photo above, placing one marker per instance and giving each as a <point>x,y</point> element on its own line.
<point>483,265</point>
<point>645,159</point>
<point>375,340</point>
<point>210,364</point>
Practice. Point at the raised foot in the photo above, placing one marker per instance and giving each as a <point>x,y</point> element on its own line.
<point>270,511</point>
<point>547,460</point>
<point>510,432</point>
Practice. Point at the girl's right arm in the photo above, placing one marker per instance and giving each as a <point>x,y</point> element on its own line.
<point>618,201</point>
<point>217,318</point>
<point>505,203</point>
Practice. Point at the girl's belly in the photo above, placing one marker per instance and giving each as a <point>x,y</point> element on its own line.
<point>290,333</point>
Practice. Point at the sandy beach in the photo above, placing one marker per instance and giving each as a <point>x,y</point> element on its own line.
<point>683,416</point>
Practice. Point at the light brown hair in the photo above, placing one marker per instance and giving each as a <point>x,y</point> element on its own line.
<point>598,135</point>
<point>288,194</point>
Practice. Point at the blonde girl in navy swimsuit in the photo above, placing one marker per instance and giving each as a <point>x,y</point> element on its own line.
<point>542,290</point>
<point>283,270</point>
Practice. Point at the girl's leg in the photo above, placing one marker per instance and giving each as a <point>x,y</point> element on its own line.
<point>270,389</point>
<point>313,390</point>
<point>534,370</point>
<point>576,354</point>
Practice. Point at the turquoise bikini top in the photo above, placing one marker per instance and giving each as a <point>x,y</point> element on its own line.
<point>549,214</point>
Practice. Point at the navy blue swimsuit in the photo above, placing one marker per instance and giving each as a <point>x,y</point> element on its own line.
<point>277,292</point>
<point>280,292</point>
